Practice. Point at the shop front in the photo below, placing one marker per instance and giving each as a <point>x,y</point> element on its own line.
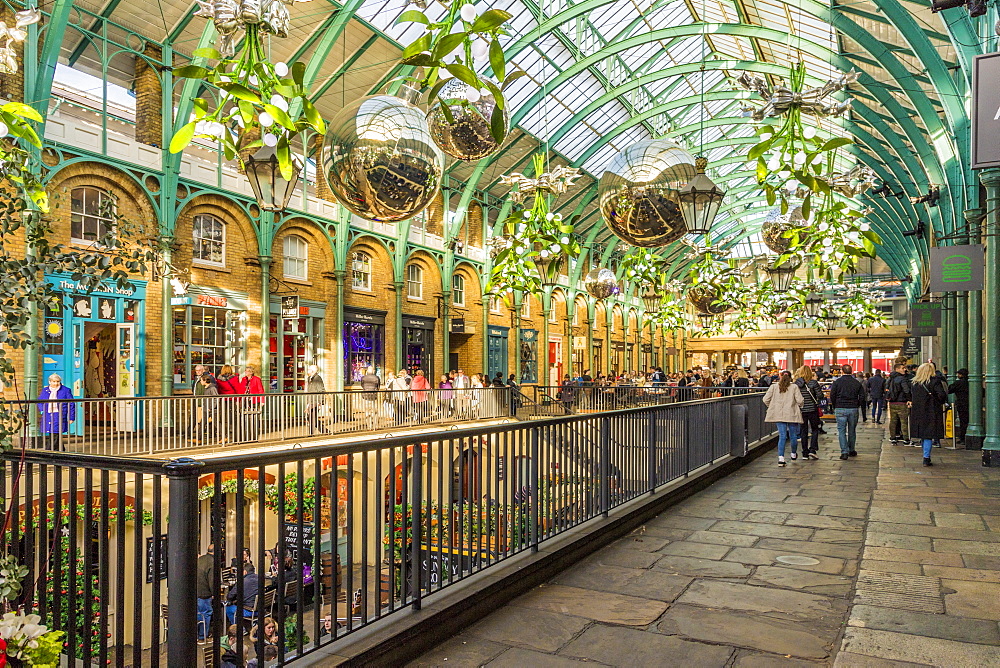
<point>555,360</point>
<point>296,342</point>
<point>497,350</point>
<point>209,328</point>
<point>648,357</point>
<point>364,343</point>
<point>528,356</point>
<point>418,344</point>
<point>92,342</point>
<point>618,359</point>
<point>597,367</point>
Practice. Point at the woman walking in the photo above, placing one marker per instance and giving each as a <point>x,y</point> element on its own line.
<point>784,408</point>
<point>811,423</point>
<point>927,397</point>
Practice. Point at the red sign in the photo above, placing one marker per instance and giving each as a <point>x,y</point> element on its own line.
<point>209,300</point>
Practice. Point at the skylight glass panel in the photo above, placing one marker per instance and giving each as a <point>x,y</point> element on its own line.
<point>611,18</point>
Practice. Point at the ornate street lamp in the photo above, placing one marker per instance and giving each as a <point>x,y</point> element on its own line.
<point>700,200</point>
<point>271,190</point>
<point>651,300</point>
<point>781,275</point>
<point>831,319</point>
<point>813,303</point>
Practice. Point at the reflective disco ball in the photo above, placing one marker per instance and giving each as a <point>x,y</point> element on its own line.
<point>468,138</point>
<point>601,283</point>
<point>702,296</point>
<point>776,224</point>
<point>638,192</point>
<point>379,159</point>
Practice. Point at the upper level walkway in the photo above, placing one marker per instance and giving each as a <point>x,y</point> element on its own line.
<point>874,561</point>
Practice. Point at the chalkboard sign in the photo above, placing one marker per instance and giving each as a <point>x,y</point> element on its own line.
<point>446,564</point>
<point>292,538</point>
<point>152,571</point>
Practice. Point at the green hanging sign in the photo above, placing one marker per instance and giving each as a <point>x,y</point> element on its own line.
<point>957,268</point>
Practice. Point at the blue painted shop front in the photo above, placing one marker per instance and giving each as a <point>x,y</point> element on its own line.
<point>93,343</point>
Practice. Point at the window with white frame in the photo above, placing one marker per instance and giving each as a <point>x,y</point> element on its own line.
<point>92,214</point>
<point>296,253</point>
<point>458,290</point>
<point>414,281</point>
<point>496,305</point>
<point>361,271</point>
<point>526,307</point>
<point>576,315</point>
<point>209,240</point>
<point>553,315</point>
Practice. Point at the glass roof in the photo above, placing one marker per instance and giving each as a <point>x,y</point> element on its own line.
<point>599,79</point>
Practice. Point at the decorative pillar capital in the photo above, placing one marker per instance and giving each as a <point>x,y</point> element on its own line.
<point>990,177</point>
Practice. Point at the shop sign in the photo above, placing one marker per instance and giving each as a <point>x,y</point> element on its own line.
<point>292,538</point>
<point>369,317</point>
<point>670,351</point>
<point>579,342</point>
<point>156,570</point>
<point>290,306</point>
<point>957,268</point>
<point>647,347</point>
<point>925,318</point>
<point>911,346</point>
<point>418,323</point>
<point>107,289</point>
<point>498,332</point>
<point>985,111</point>
<point>458,325</point>
<point>617,345</point>
<point>213,300</point>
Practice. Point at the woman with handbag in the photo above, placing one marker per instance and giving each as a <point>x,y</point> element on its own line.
<point>784,408</point>
<point>811,422</point>
<point>927,398</point>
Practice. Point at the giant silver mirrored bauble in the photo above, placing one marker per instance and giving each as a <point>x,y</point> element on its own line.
<point>601,283</point>
<point>638,192</point>
<point>379,159</point>
<point>468,137</point>
<point>702,296</point>
<point>776,224</point>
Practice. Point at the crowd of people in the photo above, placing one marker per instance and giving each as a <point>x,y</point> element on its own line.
<point>915,397</point>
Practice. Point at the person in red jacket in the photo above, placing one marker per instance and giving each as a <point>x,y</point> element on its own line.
<point>253,404</point>
<point>228,384</point>
<point>419,386</point>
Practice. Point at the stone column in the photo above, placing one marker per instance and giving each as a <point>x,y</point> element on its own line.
<point>827,353</point>
<point>753,361</point>
<point>974,434</point>
<point>991,443</point>
<point>866,360</point>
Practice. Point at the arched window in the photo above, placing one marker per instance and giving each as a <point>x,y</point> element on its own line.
<point>92,214</point>
<point>209,240</point>
<point>296,254</point>
<point>414,281</point>
<point>361,271</point>
<point>458,290</point>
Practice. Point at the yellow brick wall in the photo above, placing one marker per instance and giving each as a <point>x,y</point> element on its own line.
<point>470,346</point>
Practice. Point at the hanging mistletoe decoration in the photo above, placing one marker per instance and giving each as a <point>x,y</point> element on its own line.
<point>797,168</point>
<point>258,103</point>
<point>535,241</point>
<point>448,51</point>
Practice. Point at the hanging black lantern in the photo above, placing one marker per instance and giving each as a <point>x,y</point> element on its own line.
<point>271,190</point>
<point>813,303</point>
<point>831,320</point>
<point>707,319</point>
<point>700,200</point>
<point>781,275</point>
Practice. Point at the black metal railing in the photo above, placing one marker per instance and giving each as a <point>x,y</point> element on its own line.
<point>339,536</point>
<point>555,400</point>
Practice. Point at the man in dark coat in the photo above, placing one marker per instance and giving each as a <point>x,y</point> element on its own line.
<point>251,587</point>
<point>898,391</point>
<point>846,397</point>
<point>876,390</point>
<point>960,388</point>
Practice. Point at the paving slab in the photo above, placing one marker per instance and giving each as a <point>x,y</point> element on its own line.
<point>617,646</point>
<point>622,556</point>
<point>699,550</point>
<point>807,581</point>
<point>973,574</point>
<point>656,585</point>
<point>923,624</point>
<point>761,557</point>
<point>462,650</point>
<point>898,541</point>
<point>743,630</point>
<point>919,649</point>
<point>763,530</point>
<point>596,605</point>
<point>702,568</point>
<point>891,567</point>
<point>516,657</point>
<point>534,629</point>
<point>972,599</point>
<point>921,557</point>
<point>808,547</point>
<point>959,520</point>
<point>825,522</point>
<point>719,538</point>
<point>748,659</point>
<point>761,600</point>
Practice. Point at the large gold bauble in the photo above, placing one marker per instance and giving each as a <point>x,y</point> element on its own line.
<point>379,159</point>
<point>702,296</point>
<point>601,283</point>
<point>638,192</point>
<point>776,224</point>
<point>469,137</point>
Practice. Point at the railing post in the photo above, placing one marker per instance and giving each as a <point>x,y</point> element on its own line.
<point>182,562</point>
<point>535,490</point>
<point>416,524</point>
<point>652,450</point>
<point>605,464</point>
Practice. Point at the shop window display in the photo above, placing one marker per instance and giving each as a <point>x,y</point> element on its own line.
<point>206,335</point>
<point>363,347</point>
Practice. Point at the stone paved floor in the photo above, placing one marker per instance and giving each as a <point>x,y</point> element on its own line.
<point>871,562</point>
